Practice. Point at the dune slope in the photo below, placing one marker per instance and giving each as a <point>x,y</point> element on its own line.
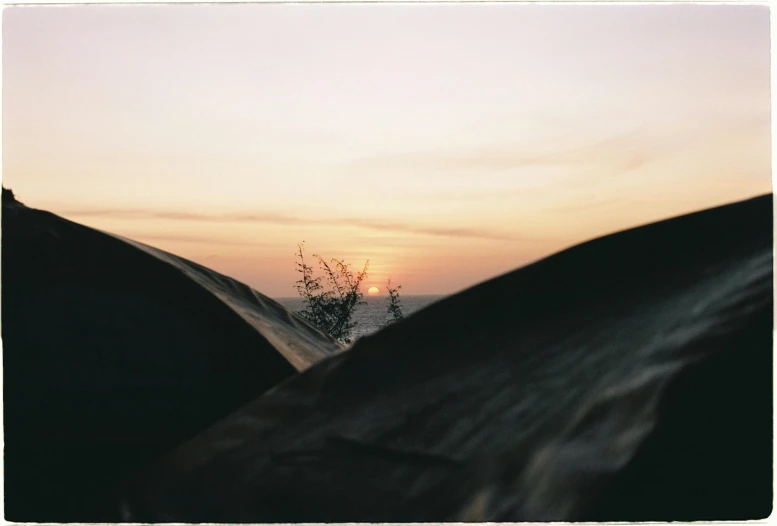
<point>626,378</point>
<point>115,353</point>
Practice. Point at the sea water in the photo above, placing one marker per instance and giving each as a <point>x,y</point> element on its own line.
<point>373,314</point>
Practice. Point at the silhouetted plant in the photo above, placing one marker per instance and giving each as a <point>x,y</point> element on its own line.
<point>394,306</point>
<point>8,196</point>
<point>330,299</point>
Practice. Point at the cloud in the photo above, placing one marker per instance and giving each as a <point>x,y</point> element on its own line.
<point>430,231</point>
<point>145,236</point>
<point>286,220</point>
<point>622,152</point>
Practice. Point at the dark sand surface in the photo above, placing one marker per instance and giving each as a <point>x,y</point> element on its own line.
<point>114,353</point>
<point>626,378</point>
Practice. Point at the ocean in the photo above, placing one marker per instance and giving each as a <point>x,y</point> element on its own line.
<point>374,313</point>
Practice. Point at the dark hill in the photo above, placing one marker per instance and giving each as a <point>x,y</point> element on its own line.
<point>626,378</point>
<point>114,353</point>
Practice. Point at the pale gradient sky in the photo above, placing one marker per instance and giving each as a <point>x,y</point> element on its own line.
<point>445,143</point>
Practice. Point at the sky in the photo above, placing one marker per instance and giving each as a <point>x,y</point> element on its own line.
<point>446,144</point>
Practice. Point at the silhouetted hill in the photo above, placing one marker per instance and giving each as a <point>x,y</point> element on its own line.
<point>114,353</point>
<point>626,378</point>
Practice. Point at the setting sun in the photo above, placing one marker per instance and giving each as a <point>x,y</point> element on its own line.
<point>373,291</point>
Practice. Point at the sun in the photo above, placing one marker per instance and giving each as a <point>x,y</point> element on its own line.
<point>373,291</point>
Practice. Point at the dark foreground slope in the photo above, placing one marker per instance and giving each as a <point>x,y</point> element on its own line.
<point>113,356</point>
<point>627,378</point>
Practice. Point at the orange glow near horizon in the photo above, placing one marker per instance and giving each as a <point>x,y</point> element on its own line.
<point>446,144</point>
<point>373,291</point>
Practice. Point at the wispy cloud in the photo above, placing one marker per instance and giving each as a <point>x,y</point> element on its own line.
<point>614,155</point>
<point>153,237</point>
<point>623,152</point>
<point>286,220</point>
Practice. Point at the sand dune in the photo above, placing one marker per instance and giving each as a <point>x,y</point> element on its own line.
<point>114,353</point>
<point>627,378</point>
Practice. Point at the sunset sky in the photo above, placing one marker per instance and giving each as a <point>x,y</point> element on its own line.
<point>447,144</point>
